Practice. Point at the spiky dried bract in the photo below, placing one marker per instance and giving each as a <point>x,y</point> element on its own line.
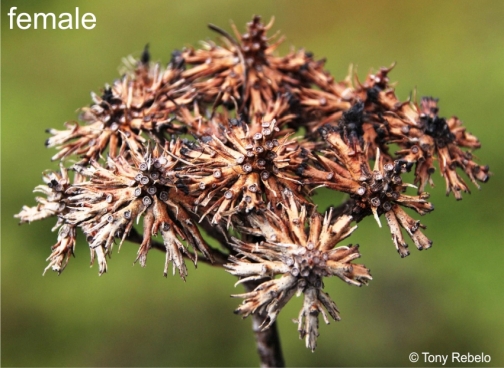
<point>107,205</point>
<point>63,249</point>
<point>302,249</point>
<point>143,100</point>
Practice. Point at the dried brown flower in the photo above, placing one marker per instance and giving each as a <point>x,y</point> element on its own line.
<point>377,191</point>
<point>302,249</point>
<point>238,72</point>
<point>246,169</point>
<point>447,138</point>
<point>422,135</point>
<point>107,206</point>
<point>143,100</point>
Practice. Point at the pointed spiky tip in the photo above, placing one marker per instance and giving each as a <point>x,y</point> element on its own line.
<point>145,58</point>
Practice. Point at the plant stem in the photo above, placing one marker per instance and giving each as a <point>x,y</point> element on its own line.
<point>267,341</point>
<point>219,258</point>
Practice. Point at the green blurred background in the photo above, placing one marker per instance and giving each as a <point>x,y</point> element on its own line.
<point>447,299</point>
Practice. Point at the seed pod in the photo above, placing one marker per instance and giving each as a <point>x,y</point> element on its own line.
<point>146,201</point>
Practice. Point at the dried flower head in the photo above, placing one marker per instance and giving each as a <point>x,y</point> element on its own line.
<point>246,168</point>
<point>377,191</point>
<point>143,100</point>
<point>107,206</point>
<point>238,72</point>
<point>447,138</point>
<point>302,249</point>
<point>422,135</point>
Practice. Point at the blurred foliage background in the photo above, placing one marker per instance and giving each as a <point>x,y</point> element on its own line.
<point>447,299</point>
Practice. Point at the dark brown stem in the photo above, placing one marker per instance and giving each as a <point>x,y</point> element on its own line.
<point>217,232</point>
<point>347,208</point>
<point>267,341</point>
<point>219,258</point>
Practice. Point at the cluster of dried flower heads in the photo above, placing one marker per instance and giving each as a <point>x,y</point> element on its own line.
<point>209,143</point>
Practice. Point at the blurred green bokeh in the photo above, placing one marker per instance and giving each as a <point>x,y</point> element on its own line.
<point>447,299</point>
